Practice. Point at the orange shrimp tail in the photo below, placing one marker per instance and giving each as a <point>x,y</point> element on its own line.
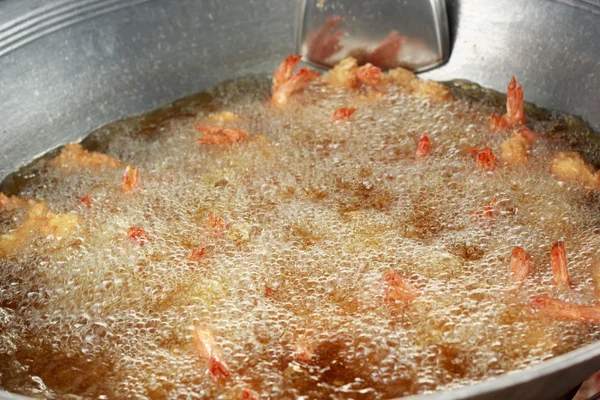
<point>86,201</point>
<point>298,81</point>
<point>423,146</point>
<point>528,134</point>
<point>138,235</point>
<point>284,72</point>
<point>399,288</point>
<point>497,123</point>
<point>342,114</point>
<point>558,262</point>
<point>131,179</point>
<point>218,369</point>
<point>211,354</point>
<point>515,109</point>
<point>197,254</point>
<point>486,159</point>
<point>490,209</point>
<point>520,263</point>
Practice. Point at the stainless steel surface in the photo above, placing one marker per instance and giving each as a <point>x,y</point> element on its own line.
<point>387,33</point>
<point>64,72</point>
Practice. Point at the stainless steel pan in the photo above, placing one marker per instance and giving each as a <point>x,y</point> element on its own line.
<point>68,66</point>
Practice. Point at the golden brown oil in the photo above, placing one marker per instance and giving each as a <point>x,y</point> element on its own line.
<point>317,212</point>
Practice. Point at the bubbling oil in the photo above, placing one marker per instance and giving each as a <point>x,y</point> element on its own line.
<point>316,213</point>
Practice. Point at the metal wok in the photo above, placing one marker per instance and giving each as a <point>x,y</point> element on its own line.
<point>69,66</point>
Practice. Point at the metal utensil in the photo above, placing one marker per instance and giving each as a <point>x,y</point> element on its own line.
<point>387,33</point>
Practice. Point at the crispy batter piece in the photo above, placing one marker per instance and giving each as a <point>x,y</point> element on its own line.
<point>223,117</point>
<point>73,156</point>
<point>408,82</point>
<point>343,74</point>
<point>516,149</point>
<point>11,203</point>
<point>39,221</point>
<point>432,90</point>
<point>571,167</point>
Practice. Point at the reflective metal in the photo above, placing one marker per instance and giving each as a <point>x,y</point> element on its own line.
<point>386,33</point>
<point>69,66</point>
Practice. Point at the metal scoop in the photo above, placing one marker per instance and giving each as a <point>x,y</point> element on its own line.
<point>386,33</point>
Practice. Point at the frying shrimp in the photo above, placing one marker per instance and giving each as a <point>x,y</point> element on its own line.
<point>196,254</point>
<point>562,309</point>
<point>138,235</point>
<point>285,84</point>
<point>284,72</point>
<point>343,74</point>
<point>86,201</point>
<point>211,354</point>
<point>216,225</point>
<point>131,179</point>
<point>497,123</point>
<point>515,108</point>
<point>74,156</point>
<point>219,134</point>
<point>528,134</point>
<point>558,262</point>
<point>486,159</point>
<point>520,264</point>
<point>342,114</point>
<point>423,146</point>
<point>489,210</point>
<point>399,288</point>
<point>326,42</point>
<point>369,74</point>
<point>385,55</point>
<point>571,167</point>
